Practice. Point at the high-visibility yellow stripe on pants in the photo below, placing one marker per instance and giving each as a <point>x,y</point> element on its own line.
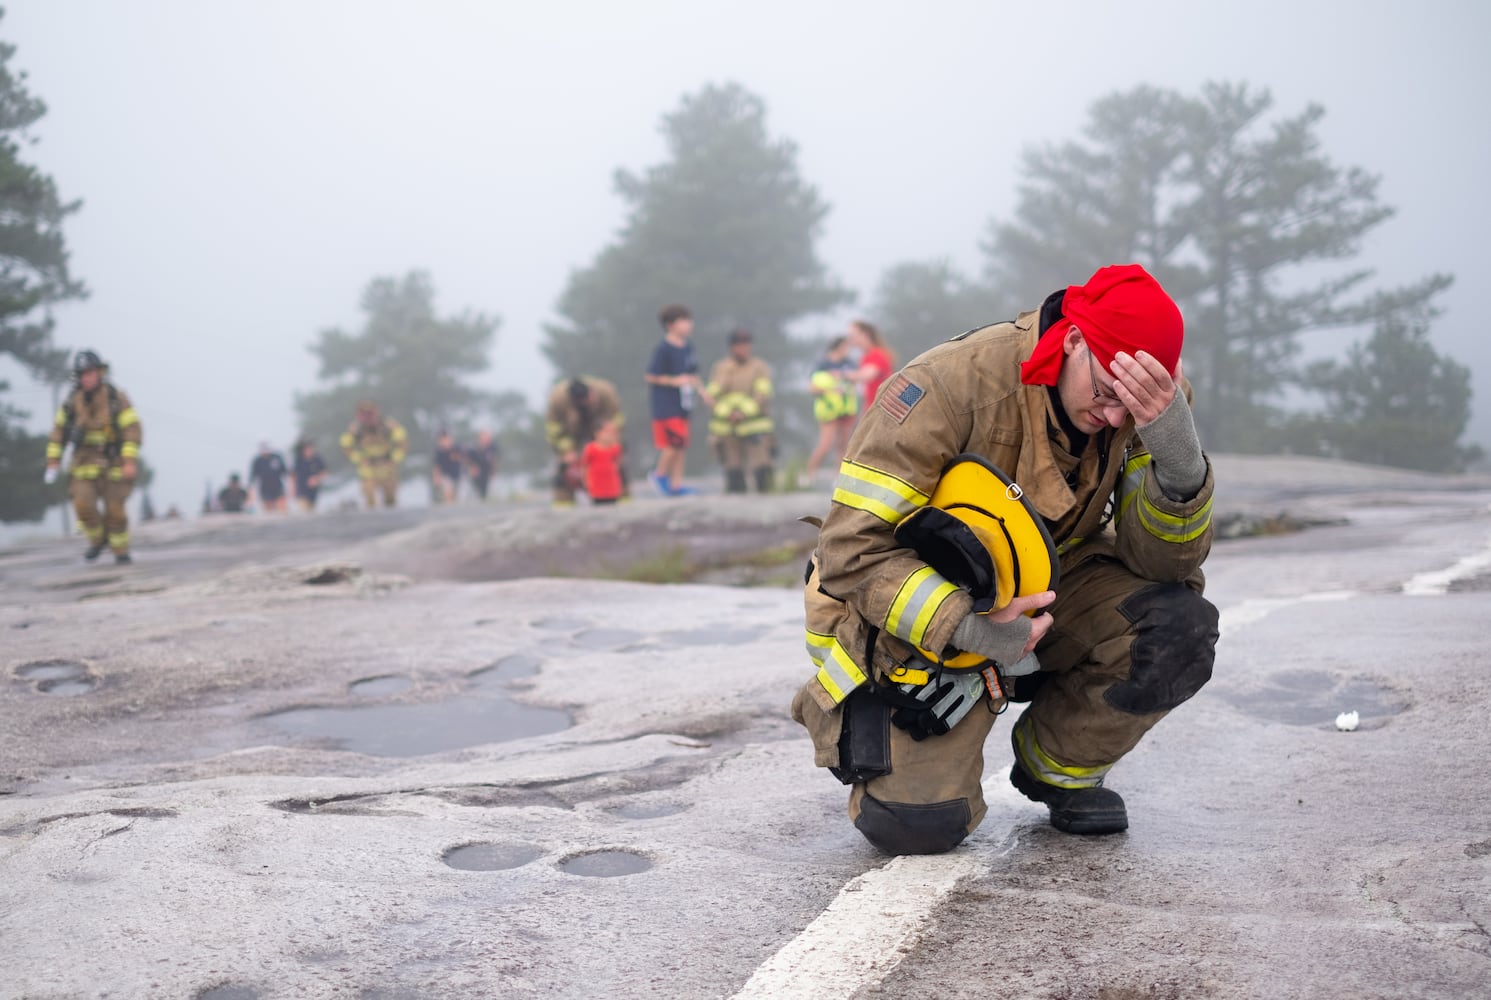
<point>1044,769</point>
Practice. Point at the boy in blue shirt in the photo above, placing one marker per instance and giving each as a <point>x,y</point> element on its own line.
<point>673,380</point>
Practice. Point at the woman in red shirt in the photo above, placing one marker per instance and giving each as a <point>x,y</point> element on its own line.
<point>877,360</point>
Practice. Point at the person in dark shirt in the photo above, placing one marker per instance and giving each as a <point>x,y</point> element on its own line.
<point>267,474</point>
<point>446,470</point>
<point>309,474</point>
<point>673,380</point>
<point>481,462</point>
<point>232,498</point>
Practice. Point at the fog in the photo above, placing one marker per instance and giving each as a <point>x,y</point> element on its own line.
<point>246,168</point>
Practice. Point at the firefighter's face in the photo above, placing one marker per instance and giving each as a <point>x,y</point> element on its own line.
<point>1086,391</point>
<point>89,379</point>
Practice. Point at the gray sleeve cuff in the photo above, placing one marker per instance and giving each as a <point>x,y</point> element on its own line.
<point>1175,449</point>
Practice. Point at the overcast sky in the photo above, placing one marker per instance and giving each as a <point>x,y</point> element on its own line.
<point>247,167</point>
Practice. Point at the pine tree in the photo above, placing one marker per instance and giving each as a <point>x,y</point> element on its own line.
<point>410,362</point>
<point>724,225</point>
<point>33,277</point>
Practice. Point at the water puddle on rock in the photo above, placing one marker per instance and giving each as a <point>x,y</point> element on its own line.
<point>491,857</point>
<point>508,668</point>
<point>409,730</point>
<point>64,678</point>
<point>606,638</point>
<point>648,810</point>
<point>605,864</point>
<point>372,687</point>
<point>1315,698</point>
<point>230,991</point>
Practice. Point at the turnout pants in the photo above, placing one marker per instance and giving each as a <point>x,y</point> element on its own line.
<point>382,479</point>
<point>1124,651</point>
<point>112,525</point>
<point>746,455</point>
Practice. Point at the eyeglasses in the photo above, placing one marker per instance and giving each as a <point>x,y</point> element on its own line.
<point>1102,394</point>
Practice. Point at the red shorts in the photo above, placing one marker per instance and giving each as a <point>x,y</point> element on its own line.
<point>671,432</point>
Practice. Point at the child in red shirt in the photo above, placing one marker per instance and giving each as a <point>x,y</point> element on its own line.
<point>601,460</point>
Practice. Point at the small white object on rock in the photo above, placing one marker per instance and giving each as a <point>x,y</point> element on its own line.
<point>1347,721</point>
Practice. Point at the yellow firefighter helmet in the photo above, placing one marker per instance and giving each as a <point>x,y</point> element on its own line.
<point>979,532</point>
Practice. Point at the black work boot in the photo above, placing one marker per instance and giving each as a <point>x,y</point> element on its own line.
<point>1073,810</point>
<point>122,559</point>
<point>94,551</point>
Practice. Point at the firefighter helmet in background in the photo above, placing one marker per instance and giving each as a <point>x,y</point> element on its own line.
<point>979,532</point>
<point>85,361</point>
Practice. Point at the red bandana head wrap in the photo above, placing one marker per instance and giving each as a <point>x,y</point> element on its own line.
<point>1121,308</point>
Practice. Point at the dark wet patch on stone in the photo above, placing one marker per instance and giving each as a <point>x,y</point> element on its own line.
<point>507,668</point>
<point>604,864</point>
<point>721,636</point>
<point>1315,698</point>
<point>51,670</point>
<point>491,857</point>
<point>410,730</point>
<point>230,991</point>
<point>61,678</point>
<point>1478,850</point>
<point>606,638</point>
<point>1471,584</point>
<point>558,624</point>
<point>323,575</point>
<point>648,810</point>
<point>372,687</point>
<point>127,812</point>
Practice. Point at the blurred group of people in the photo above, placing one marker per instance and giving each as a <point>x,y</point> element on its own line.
<point>583,410</point>
<point>271,484</point>
<point>476,463</point>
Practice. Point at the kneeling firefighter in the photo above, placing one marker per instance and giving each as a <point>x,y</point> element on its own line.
<point>1083,403</point>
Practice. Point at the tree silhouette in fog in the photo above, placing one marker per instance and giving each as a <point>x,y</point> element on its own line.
<point>726,225</point>
<point>415,365</point>
<point>33,277</point>
<point>1248,223</point>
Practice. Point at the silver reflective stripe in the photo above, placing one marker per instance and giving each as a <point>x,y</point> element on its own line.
<point>1044,769</point>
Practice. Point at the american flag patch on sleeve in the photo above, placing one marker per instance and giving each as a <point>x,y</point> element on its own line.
<point>898,396</point>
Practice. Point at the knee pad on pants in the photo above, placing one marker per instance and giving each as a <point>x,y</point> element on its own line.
<point>913,828</point>
<point>1174,646</point>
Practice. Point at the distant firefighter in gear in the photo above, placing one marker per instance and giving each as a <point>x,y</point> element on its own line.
<point>577,408</point>
<point>740,425</point>
<point>101,425</point>
<point>1082,405</point>
<point>376,445</point>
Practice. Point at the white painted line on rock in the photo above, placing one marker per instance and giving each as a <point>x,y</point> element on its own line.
<point>865,933</point>
<point>1438,581</point>
<point>1258,608</point>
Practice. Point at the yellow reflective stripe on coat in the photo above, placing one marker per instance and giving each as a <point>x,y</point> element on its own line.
<point>1169,527</point>
<point>1043,768</point>
<point>837,672</point>
<point>85,471</point>
<point>876,492</point>
<point>128,417</point>
<point>93,439</point>
<point>129,450</point>
<point>921,594</point>
<point>54,450</point>
<point>1132,483</point>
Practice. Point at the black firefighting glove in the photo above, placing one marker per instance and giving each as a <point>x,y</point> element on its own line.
<point>940,704</point>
